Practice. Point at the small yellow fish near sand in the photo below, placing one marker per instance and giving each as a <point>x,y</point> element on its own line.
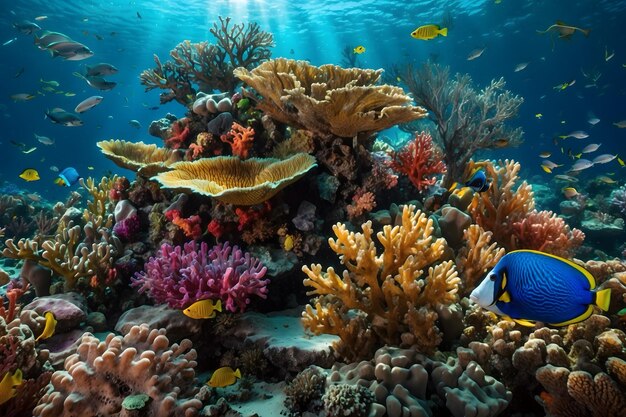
<point>203,309</point>
<point>359,49</point>
<point>224,377</point>
<point>30,174</point>
<point>428,32</point>
<point>8,384</point>
<point>48,330</point>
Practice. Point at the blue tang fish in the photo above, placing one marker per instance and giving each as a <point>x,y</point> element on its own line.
<point>478,181</point>
<point>68,177</point>
<point>528,286</point>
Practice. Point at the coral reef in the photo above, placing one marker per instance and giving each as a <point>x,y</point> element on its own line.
<point>466,120</point>
<point>101,375</point>
<point>180,276</point>
<point>382,298</point>
<point>420,161</point>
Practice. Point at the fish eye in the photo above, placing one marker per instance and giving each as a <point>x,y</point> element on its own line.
<point>492,277</point>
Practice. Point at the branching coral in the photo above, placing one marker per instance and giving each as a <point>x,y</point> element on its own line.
<point>100,375</point>
<point>501,206</point>
<point>73,253</point>
<point>328,100</point>
<point>180,276</point>
<point>467,120</point>
<point>382,298</point>
<point>209,66</point>
<point>419,160</point>
<point>476,258</point>
<point>544,231</point>
<point>240,140</point>
<point>100,193</point>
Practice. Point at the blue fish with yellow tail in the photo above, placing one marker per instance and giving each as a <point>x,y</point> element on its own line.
<point>529,286</point>
<point>68,177</point>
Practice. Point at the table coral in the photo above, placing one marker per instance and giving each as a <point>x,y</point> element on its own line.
<point>382,298</point>
<point>100,375</point>
<point>328,100</point>
<point>180,276</point>
<point>145,159</point>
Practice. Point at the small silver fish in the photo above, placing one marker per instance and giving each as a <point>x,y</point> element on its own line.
<point>44,139</point>
<point>578,134</point>
<point>592,147</point>
<point>521,66</point>
<point>476,53</point>
<point>88,104</point>
<point>581,164</point>
<point>134,123</point>
<point>604,158</point>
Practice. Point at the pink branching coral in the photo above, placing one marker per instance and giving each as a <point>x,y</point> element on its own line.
<point>544,231</point>
<point>180,276</point>
<point>363,202</point>
<point>419,160</point>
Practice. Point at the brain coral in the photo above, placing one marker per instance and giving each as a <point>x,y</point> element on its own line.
<point>98,378</point>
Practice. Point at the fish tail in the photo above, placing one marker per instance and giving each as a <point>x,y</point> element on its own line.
<point>443,32</point>
<point>603,299</point>
<point>453,186</point>
<point>237,373</point>
<point>218,306</point>
<point>585,32</point>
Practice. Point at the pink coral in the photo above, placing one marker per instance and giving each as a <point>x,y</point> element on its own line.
<point>363,202</point>
<point>179,276</point>
<point>544,231</point>
<point>128,228</point>
<point>179,131</point>
<point>420,160</point>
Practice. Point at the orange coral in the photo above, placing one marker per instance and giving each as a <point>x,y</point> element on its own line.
<point>363,202</point>
<point>240,140</point>
<point>389,297</point>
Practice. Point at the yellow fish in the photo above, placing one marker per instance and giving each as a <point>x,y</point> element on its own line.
<point>359,49</point>
<point>546,169</point>
<point>48,330</point>
<point>52,82</point>
<point>569,192</point>
<point>30,174</point>
<point>288,243</point>
<point>224,377</point>
<point>68,94</point>
<point>203,309</point>
<point>8,384</point>
<point>620,161</point>
<point>427,32</point>
<point>607,180</point>
<point>538,115</point>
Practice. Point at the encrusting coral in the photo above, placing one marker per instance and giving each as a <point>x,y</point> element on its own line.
<point>386,298</point>
<point>235,181</point>
<point>328,100</point>
<point>100,375</point>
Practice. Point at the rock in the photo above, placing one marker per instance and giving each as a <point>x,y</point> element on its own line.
<point>38,276</point>
<point>382,217</point>
<point>284,341</point>
<point>596,228</point>
<point>177,325</point>
<point>68,314</point>
<point>98,321</point>
<point>62,345</point>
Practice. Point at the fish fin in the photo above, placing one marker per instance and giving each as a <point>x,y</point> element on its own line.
<point>505,297</point>
<point>603,299</point>
<point>577,319</point>
<point>443,32</point>
<point>523,322</point>
<point>17,377</point>
<point>585,32</point>
<point>218,306</point>
<point>587,274</point>
<point>237,373</point>
<point>453,186</point>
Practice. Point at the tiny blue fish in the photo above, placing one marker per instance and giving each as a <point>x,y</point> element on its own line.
<point>68,177</point>
<point>528,286</point>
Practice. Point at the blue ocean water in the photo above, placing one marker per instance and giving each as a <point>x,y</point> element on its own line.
<point>128,33</point>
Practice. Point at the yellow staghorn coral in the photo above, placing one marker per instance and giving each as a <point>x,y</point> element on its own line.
<point>73,253</point>
<point>386,298</point>
<point>328,100</point>
<point>146,160</point>
<point>235,181</point>
<point>100,194</point>
<point>498,208</point>
<point>476,258</point>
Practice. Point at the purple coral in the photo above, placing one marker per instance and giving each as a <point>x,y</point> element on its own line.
<point>179,276</point>
<point>128,228</point>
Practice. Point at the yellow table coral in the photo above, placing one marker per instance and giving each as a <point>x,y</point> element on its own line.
<point>386,298</point>
<point>235,181</point>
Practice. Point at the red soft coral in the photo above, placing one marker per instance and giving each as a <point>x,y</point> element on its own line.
<point>179,131</point>
<point>190,225</point>
<point>240,139</point>
<point>420,160</point>
<point>363,202</point>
